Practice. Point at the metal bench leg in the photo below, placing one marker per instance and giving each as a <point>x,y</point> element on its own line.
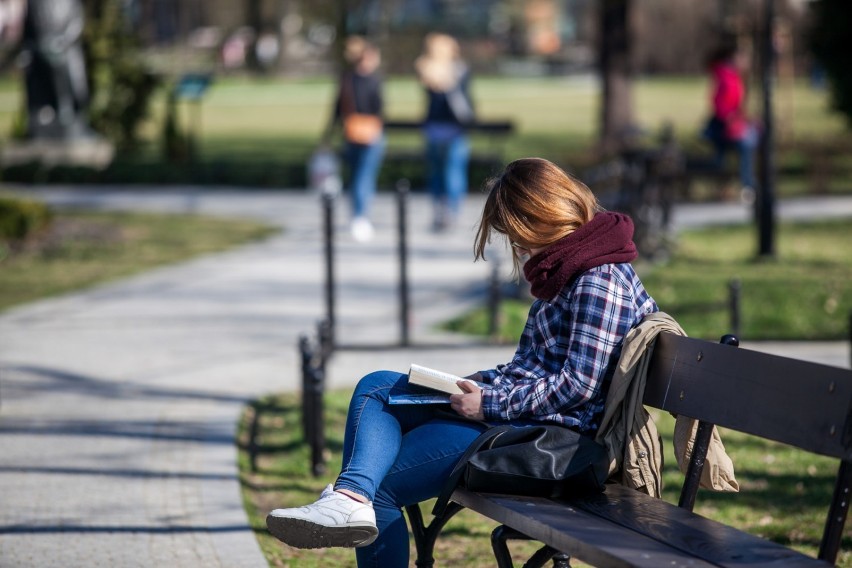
<point>501,534</point>
<point>561,560</point>
<point>425,536</point>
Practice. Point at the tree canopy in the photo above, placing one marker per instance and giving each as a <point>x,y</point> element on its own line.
<point>830,39</point>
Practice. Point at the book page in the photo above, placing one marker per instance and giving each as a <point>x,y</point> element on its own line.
<point>435,379</point>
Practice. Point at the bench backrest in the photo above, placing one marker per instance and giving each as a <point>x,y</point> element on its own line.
<point>803,404</point>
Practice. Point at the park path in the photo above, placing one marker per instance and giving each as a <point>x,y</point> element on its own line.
<point>118,404</point>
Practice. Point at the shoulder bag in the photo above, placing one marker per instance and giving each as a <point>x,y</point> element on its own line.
<point>358,128</point>
<point>546,460</point>
<point>460,105</point>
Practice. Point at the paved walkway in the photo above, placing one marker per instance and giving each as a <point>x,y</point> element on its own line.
<point>118,404</point>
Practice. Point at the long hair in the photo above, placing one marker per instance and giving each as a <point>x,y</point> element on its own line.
<point>439,67</point>
<point>534,203</point>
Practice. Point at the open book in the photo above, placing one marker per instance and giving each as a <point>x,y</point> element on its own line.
<point>431,386</point>
<point>436,380</point>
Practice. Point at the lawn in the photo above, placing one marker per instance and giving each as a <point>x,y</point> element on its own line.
<point>261,131</point>
<point>784,492</point>
<point>81,249</point>
<point>801,294</point>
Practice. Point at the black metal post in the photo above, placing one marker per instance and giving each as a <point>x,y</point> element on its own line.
<point>195,137</point>
<point>317,441</point>
<point>402,187</point>
<point>254,429</point>
<point>306,357</point>
<point>328,226</point>
<point>325,341</point>
<point>313,387</point>
<point>734,288</point>
<point>765,202</point>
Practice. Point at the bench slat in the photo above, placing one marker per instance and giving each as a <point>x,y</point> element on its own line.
<point>623,527</point>
<point>494,127</point>
<point>575,532</point>
<point>704,538</point>
<point>764,394</point>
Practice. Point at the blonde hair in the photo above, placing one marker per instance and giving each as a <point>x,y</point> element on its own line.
<point>354,49</point>
<point>534,203</point>
<point>439,67</point>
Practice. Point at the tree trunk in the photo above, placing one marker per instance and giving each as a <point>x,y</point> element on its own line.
<point>617,74</point>
<point>254,19</point>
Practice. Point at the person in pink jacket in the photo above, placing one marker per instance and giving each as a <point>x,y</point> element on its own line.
<point>729,127</point>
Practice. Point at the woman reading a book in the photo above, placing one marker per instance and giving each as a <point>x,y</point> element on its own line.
<point>576,257</point>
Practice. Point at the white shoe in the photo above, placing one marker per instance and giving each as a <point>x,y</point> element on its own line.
<point>333,520</point>
<point>362,229</point>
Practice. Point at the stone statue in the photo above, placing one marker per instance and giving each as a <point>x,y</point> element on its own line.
<point>56,84</point>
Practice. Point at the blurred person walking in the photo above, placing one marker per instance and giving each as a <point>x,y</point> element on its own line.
<point>729,126</point>
<point>359,107</point>
<point>446,79</point>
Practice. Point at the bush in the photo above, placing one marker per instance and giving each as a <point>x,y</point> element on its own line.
<point>122,86</point>
<point>20,218</point>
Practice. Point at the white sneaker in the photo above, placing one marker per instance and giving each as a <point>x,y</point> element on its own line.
<point>362,229</point>
<point>333,520</point>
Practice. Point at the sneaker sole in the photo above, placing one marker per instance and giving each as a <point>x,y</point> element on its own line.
<point>305,534</point>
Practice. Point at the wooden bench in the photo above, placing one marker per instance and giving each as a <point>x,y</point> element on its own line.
<point>409,162</point>
<point>704,179</point>
<point>805,405</point>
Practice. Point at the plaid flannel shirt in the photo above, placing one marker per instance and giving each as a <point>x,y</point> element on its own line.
<point>568,351</point>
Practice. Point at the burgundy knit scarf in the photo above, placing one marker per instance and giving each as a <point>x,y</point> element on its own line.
<point>607,238</point>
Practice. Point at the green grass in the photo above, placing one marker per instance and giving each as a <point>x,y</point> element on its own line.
<point>82,249</point>
<point>784,492</point>
<point>260,131</point>
<point>801,294</point>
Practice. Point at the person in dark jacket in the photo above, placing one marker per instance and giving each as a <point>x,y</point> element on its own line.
<point>446,79</point>
<point>360,98</point>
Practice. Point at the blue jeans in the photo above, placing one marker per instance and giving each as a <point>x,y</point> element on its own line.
<point>745,148</point>
<point>397,456</point>
<point>448,163</point>
<point>364,164</point>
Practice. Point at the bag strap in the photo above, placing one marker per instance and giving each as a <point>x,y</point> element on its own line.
<point>453,480</point>
<point>460,105</point>
<point>347,95</point>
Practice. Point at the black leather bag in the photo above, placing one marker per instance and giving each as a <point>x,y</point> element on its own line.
<point>546,460</point>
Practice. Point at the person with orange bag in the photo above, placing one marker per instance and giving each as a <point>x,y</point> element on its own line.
<point>358,108</point>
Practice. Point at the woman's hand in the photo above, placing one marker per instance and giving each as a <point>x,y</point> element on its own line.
<point>468,404</point>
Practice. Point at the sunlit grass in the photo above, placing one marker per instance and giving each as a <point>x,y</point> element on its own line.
<point>280,120</point>
<point>84,249</point>
<point>801,294</point>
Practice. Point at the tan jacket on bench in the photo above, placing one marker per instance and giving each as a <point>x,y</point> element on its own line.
<point>629,432</point>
